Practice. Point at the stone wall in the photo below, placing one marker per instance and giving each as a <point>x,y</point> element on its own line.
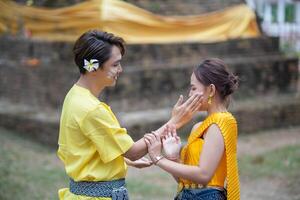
<point>252,116</point>
<point>186,7</point>
<point>163,7</point>
<point>40,73</point>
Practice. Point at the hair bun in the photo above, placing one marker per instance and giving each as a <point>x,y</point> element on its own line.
<point>233,84</point>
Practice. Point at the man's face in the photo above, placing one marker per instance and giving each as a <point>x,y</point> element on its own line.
<point>112,68</point>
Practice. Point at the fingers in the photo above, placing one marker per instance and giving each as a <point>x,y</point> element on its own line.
<point>195,102</point>
<point>151,138</point>
<point>148,143</point>
<point>197,105</point>
<point>173,131</point>
<point>148,139</point>
<point>178,140</point>
<point>190,100</point>
<point>146,160</point>
<point>163,131</point>
<point>179,102</point>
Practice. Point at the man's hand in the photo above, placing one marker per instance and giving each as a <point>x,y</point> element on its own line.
<point>183,112</point>
<point>140,163</point>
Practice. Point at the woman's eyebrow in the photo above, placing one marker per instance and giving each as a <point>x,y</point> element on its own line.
<point>119,60</point>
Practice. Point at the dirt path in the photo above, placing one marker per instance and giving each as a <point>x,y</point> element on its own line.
<point>263,142</point>
<point>256,144</point>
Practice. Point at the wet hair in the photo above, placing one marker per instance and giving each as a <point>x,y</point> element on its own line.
<point>214,71</point>
<point>95,44</point>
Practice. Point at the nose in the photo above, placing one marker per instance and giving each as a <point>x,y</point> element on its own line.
<point>190,93</point>
<point>120,69</point>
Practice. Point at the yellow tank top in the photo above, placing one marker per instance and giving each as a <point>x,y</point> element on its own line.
<point>228,167</point>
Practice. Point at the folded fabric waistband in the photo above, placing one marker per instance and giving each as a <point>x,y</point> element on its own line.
<point>182,186</point>
<point>115,189</point>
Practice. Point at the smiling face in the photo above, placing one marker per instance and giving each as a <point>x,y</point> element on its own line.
<point>111,69</point>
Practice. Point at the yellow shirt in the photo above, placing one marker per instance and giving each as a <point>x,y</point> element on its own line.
<point>228,166</point>
<point>91,141</point>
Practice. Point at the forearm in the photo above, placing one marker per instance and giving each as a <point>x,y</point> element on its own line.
<point>192,173</point>
<point>176,177</point>
<point>139,148</point>
<point>137,151</point>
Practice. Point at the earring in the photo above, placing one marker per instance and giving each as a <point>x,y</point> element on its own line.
<point>209,100</point>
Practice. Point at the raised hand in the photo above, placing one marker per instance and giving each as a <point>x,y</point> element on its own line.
<point>172,144</point>
<point>154,146</point>
<point>184,111</point>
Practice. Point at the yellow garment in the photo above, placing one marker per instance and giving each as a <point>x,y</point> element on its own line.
<point>228,167</point>
<point>135,25</point>
<point>91,141</point>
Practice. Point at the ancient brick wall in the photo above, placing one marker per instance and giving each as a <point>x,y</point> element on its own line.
<point>186,7</point>
<point>40,73</point>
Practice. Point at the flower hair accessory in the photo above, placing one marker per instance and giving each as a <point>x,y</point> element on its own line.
<point>91,65</point>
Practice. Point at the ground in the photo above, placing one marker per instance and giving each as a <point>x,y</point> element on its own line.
<point>269,164</point>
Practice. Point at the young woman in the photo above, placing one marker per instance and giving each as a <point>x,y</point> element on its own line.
<point>208,162</point>
<point>92,145</point>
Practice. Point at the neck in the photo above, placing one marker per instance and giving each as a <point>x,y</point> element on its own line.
<point>214,108</point>
<point>89,84</point>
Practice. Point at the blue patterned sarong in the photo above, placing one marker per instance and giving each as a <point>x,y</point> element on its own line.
<point>115,189</point>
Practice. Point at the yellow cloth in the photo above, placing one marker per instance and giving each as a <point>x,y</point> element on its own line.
<point>135,25</point>
<point>228,167</point>
<point>91,141</point>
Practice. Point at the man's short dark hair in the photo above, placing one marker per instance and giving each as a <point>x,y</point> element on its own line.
<point>95,44</point>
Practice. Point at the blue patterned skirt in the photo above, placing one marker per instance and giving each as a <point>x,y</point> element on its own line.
<point>202,194</point>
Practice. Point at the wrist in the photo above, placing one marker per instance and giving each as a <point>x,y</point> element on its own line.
<point>173,158</point>
<point>177,123</point>
<point>156,159</point>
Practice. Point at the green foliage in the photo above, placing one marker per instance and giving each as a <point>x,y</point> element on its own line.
<point>27,170</point>
<point>290,14</point>
<point>274,10</point>
<point>30,171</point>
<point>279,163</point>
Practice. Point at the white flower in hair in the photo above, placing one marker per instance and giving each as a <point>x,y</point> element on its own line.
<point>91,65</point>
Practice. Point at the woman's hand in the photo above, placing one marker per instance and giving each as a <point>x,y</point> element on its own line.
<point>154,146</point>
<point>172,145</point>
<point>184,111</point>
<point>140,163</point>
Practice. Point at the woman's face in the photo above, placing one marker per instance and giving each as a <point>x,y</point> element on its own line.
<point>112,68</point>
<point>197,87</point>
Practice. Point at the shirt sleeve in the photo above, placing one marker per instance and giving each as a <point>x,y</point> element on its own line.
<point>102,128</point>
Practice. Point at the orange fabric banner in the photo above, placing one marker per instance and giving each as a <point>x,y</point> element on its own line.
<point>135,25</point>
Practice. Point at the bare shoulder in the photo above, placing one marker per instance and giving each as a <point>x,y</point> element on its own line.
<point>213,130</point>
<point>196,126</point>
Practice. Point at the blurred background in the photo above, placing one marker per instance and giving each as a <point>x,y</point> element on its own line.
<point>37,70</point>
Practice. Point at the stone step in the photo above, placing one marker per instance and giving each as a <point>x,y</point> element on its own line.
<point>187,53</point>
<point>260,113</point>
<point>264,112</point>
<point>142,88</point>
<point>146,55</point>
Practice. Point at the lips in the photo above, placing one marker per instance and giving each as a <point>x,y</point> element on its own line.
<point>116,76</point>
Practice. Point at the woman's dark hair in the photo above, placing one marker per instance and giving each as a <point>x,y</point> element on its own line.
<point>214,71</point>
<point>95,44</point>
